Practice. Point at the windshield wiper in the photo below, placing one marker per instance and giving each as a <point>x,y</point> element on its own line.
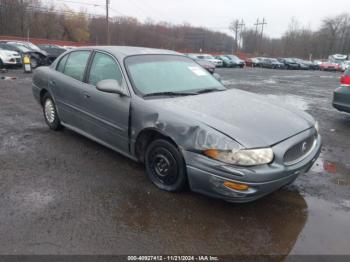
<point>171,94</point>
<point>209,90</point>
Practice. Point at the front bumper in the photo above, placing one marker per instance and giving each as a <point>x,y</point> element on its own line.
<point>13,61</point>
<point>207,176</point>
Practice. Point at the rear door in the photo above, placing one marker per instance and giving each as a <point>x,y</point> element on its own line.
<point>67,87</point>
<point>107,114</point>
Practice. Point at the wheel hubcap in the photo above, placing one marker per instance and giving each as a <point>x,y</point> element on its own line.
<point>49,111</point>
<point>163,166</point>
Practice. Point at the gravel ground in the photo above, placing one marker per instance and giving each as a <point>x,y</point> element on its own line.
<point>64,194</point>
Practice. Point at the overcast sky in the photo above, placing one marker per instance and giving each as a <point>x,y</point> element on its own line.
<point>217,14</point>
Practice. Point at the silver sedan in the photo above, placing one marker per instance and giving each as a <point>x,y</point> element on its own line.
<point>162,109</point>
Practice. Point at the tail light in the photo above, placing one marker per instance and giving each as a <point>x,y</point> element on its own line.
<point>345,80</point>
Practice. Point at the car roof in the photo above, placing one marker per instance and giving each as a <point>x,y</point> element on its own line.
<point>124,51</point>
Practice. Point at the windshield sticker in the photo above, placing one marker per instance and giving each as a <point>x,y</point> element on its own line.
<point>198,71</point>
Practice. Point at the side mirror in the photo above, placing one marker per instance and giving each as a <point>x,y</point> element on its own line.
<point>217,76</point>
<point>111,86</point>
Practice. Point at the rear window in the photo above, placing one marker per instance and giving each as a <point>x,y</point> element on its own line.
<point>76,64</point>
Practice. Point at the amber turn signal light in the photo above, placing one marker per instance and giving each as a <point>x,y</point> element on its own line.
<point>235,186</point>
<point>213,153</point>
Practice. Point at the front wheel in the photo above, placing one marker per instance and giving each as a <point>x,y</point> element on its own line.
<point>165,166</point>
<point>50,113</point>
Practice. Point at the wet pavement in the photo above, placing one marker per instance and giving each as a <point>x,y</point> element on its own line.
<point>64,194</point>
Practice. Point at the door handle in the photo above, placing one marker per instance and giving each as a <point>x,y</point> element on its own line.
<point>52,83</point>
<point>86,95</point>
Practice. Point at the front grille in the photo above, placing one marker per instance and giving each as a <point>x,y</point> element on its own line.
<point>299,151</point>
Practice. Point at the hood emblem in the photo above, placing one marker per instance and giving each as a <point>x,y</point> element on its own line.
<point>304,147</point>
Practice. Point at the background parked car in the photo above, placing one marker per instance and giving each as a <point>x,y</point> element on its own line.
<point>37,57</point>
<point>272,63</point>
<point>211,59</point>
<point>54,51</point>
<point>289,63</point>
<point>341,98</point>
<point>226,61</point>
<point>236,61</point>
<point>210,67</point>
<point>313,65</point>
<point>303,65</point>
<point>329,66</point>
<point>310,64</point>
<point>345,65</point>
<point>253,62</point>
<point>9,58</point>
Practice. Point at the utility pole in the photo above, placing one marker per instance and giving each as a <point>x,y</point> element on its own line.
<point>107,23</point>
<point>256,26</point>
<point>256,35</point>
<point>241,26</point>
<point>262,26</point>
<point>262,31</point>
<point>259,38</point>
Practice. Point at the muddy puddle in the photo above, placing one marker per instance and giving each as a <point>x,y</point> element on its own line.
<point>338,173</point>
<point>191,223</point>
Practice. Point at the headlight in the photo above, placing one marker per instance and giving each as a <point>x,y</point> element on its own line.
<point>317,127</point>
<point>245,157</point>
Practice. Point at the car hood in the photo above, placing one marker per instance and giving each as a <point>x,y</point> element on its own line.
<point>245,117</point>
<point>214,60</point>
<point>205,63</point>
<point>8,52</point>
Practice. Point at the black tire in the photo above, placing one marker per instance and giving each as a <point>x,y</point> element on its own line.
<point>1,64</point>
<point>51,117</point>
<point>165,166</point>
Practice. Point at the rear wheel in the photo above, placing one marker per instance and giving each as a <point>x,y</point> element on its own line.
<point>50,113</point>
<point>165,165</point>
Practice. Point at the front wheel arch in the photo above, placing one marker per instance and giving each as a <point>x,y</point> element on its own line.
<point>42,94</point>
<point>145,137</point>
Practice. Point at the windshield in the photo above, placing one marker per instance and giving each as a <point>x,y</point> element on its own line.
<point>32,46</point>
<point>193,56</point>
<point>209,57</point>
<point>233,57</point>
<point>21,47</point>
<point>168,73</point>
<point>224,58</point>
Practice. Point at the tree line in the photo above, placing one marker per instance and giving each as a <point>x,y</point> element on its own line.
<point>332,37</point>
<point>34,19</point>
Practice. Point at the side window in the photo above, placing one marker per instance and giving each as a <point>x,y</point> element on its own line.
<point>104,67</point>
<point>76,63</point>
<point>62,63</point>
